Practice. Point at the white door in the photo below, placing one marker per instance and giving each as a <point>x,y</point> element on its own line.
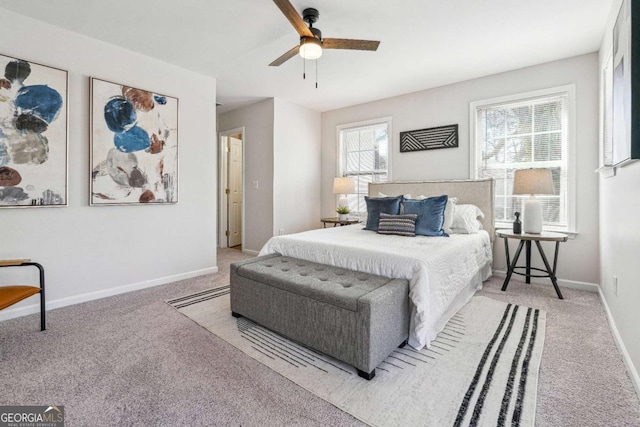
<point>234,198</point>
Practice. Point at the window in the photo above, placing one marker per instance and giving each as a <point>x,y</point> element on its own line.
<point>364,155</point>
<point>532,130</point>
<point>607,114</point>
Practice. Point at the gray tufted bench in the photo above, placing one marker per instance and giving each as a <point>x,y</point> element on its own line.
<point>358,318</point>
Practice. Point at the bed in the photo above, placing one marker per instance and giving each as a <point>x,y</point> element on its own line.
<point>443,272</point>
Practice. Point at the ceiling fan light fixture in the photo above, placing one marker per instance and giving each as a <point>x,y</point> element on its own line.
<point>311,42</point>
<point>310,48</point>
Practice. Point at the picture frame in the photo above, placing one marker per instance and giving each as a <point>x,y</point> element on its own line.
<point>429,139</point>
<point>34,133</point>
<point>607,112</point>
<point>133,147</point>
<point>626,85</point>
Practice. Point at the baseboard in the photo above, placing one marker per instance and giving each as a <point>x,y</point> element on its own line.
<point>631,370</point>
<point>250,252</point>
<point>77,299</point>
<point>571,284</point>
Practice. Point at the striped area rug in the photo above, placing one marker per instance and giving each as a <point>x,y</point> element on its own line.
<point>481,370</point>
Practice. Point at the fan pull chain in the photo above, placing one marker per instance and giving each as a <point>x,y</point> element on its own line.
<point>304,68</point>
<point>316,74</point>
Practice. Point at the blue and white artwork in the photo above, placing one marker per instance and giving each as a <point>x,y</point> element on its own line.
<point>33,134</point>
<point>134,145</point>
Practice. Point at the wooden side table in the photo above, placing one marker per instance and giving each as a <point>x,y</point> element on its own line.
<point>525,240</point>
<point>335,221</point>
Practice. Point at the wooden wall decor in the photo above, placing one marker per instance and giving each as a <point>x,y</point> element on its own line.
<point>429,139</point>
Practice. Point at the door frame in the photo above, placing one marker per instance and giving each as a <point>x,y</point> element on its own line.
<point>223,178</point>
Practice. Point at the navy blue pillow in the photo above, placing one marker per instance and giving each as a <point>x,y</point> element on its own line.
<point>377,205</point>
<point>430,214</point>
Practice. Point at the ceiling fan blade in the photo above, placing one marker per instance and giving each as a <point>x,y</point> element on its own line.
<point>350,44</point>
<point>294,17</point>
<point>287,56</point>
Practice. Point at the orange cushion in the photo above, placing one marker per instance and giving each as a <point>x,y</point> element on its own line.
<point>10,295</point>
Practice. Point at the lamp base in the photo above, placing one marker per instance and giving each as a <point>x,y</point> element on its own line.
<point>532,216</point>
<point>342,201</point>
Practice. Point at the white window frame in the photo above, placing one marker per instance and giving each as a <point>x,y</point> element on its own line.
<point>340,151</point>
<point>605,163</point>
<point>570,91</point>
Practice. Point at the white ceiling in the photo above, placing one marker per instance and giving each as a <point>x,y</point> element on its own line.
<point>424,43</point>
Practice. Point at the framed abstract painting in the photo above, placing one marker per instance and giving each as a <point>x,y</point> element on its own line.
<point>33,134</point>
<point>134,146</point>
<point>626,84</point>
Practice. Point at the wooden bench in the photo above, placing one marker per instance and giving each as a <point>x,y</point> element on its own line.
<point>10,295</point>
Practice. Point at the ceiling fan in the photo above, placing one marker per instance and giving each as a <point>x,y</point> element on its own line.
<point>311,41</point>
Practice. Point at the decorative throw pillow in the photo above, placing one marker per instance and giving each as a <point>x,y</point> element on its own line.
<point>448,211</point>
<point>378,205</point>
<point>465,219</point>
<point>430,214</point>
<point>402,225</point>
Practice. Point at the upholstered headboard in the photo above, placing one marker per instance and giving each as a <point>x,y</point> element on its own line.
<point>475,192</point>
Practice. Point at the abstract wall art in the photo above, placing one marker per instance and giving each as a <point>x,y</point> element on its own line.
<point>33,134</point>
<point>429,139</point>
<point>134,146</point>
<point>626,84</point>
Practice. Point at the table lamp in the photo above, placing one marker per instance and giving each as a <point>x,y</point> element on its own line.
<point>343,186</point>
<point>532,182</point>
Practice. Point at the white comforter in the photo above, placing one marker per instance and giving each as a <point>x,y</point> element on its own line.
<point>438,268</point>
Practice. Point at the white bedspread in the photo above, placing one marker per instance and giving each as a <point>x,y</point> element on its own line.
<point>437,268</point>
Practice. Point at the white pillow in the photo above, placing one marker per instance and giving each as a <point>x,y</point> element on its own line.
<point>449,213</point>
<point>465,219</point>
<point>406,196</point>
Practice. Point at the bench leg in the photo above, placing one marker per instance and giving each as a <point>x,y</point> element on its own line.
<point>234,314</point>
<point>365,375</point>
<point>402,344</point>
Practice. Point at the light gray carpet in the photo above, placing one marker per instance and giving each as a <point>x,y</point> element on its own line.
<point>133,360</point>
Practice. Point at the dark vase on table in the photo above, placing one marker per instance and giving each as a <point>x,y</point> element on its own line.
<point>517,224</point>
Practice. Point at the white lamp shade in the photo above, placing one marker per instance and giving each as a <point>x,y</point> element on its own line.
<point>344,185</point>
<point>310,48</point>
<point>533,181</point>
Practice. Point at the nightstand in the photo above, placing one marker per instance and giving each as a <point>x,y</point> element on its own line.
<point>335,221</point>
<point>525,241</point>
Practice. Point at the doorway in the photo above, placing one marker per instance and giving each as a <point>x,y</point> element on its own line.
<point>231,189</point>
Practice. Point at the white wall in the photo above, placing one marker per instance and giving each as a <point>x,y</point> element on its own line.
<point>89,252</point>
<point>296,168</point>
<point>450,105</point>
<point>257,120</point>
<point>282,152</point>
<point>620,243</point>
